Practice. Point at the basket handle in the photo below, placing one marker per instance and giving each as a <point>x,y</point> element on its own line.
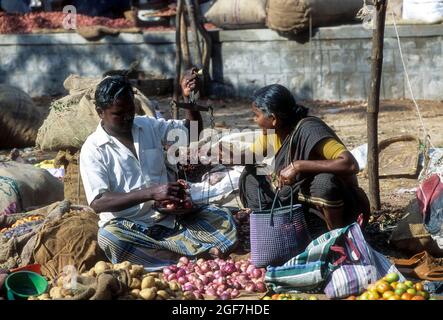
<point>259,199</point>
<point>275,200</point>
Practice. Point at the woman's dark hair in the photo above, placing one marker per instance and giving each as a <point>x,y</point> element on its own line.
<point>276,99</point>
<point>110,89</point>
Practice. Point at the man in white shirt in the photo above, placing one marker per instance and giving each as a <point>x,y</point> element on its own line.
<point>123,169</point>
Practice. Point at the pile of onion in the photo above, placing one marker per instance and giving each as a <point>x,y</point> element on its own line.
<point>219,278</point>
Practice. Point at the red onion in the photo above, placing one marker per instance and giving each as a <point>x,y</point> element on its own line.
<point>260,286</point>
<point>224,296</point>
<point>211,292</point>
<point>234,293</point>
<point>167,271</point>
<point>220,280</point>
<point>204,267</point>
<point>236,285</point>
<point>199,284</point>
<point>200,261</point>
<point>198,295</point>
<point>250,287</point>
<point>243,267</point>
<point>219,291</point>
<point>181,273</point>
<point>222,287</point>
<point>173,268</point>
<point>204,279</point>
<point>242,278</point>
<point>182,280</point>
<point>198,270</point>
<point>214,266</point>
<point>171,277</point>
<point>256,273</point>
<point>188,286</point>
<point>229,268</point>
<point>184,260</point>
<point>219,273</point>
<point>250,269</point>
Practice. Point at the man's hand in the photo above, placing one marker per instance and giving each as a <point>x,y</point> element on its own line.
<point>170,191</point>
<point>189,82</point>
<point>288,174</point>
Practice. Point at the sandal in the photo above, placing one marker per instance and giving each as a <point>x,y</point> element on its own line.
<point>422,266</point>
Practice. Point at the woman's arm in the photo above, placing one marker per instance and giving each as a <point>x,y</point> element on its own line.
<point>344,165</point>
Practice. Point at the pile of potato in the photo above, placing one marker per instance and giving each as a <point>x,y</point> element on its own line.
<point>143,285</point>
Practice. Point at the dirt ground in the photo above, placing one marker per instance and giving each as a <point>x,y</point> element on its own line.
<point>348,119</point>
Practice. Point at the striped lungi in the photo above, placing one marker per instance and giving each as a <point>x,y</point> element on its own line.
<point>156,247</point>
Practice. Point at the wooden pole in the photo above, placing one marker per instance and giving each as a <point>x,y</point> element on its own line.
<point>193,23</point>
<point>374,103</point>
<point>178,56</point>
<point>185,42</point>
<point>207,47</point>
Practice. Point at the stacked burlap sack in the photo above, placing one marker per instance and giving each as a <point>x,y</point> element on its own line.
<point>73,118</point>
<point>20,118</point>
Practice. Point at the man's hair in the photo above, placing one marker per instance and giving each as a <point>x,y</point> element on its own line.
<point>278,100</point>
<point>110,89</point>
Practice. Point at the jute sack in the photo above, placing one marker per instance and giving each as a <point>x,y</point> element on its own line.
<point>19,118</point>
<point>294,15</point>
<point>73,184</point>
<point>73,118</point>
<point>71,240</point>
<point>237,14</point>
<point>24,186</point>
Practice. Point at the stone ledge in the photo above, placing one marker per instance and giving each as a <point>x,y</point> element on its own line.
<point>248,35</point>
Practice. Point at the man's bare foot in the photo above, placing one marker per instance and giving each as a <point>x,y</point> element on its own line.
<point>215,253</point>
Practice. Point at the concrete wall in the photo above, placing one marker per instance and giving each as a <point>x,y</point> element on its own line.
<point>335,65</point>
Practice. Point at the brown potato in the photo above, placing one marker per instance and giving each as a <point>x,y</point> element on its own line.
<point>135,283</point>
<point>160,284</point>
<point>135,293</point>
<point>66,292</point>
<point>174,286</point>
<point>136,271</point>
<point>56,293</point>
<point>148,294</point>
<point>124,265</point>
<point>153,274</point>
<point>43,296</point>
<point>91,273</point>
<point>148,282</point>
<point>59,282</point>
<point>163,294</point>
<point>100,267</point>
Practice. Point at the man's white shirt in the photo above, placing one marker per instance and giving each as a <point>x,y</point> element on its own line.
<point>106,165</point>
